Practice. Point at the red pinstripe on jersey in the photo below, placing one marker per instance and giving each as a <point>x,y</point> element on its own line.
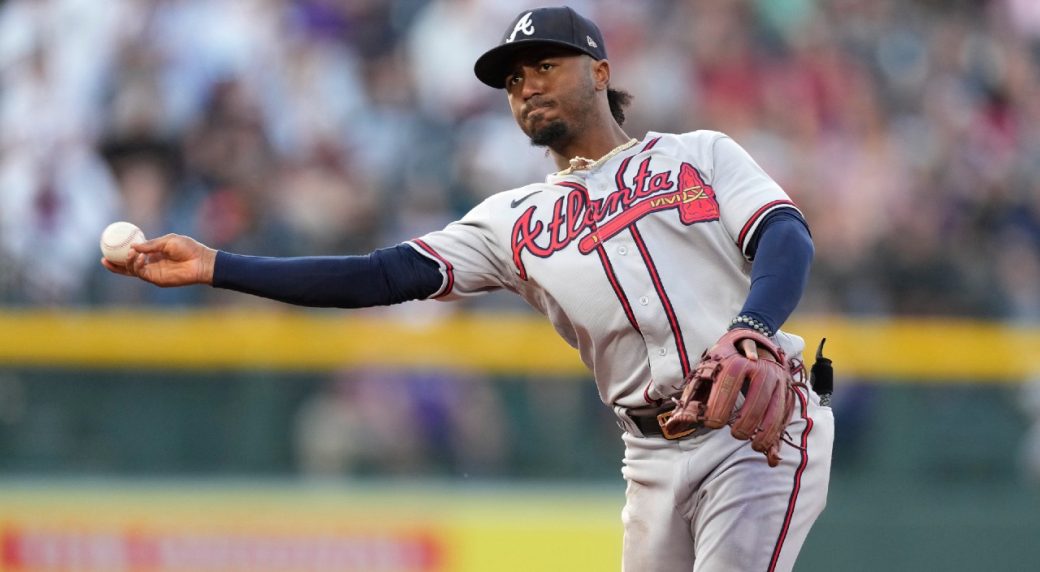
<point>608,269</point>
<point>449,270</point>
<point>673,320</point>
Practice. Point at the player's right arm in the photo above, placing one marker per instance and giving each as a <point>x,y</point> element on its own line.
<point>458,261</point>
<point>386,276</point>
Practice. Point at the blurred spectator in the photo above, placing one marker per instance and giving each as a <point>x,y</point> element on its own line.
<point>54,202</point>
<point>444,41</point>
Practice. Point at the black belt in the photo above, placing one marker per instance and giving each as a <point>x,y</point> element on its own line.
<point>651,422</point>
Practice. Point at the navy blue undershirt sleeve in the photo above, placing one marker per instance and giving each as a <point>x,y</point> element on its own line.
<point>386,276</point>
<point>782,252</point>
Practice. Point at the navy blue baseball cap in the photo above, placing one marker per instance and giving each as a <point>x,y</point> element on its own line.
<point>559,26</point>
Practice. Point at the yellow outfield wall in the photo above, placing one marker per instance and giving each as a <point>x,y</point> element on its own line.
<point>296,529</point>
<point>903,349</point>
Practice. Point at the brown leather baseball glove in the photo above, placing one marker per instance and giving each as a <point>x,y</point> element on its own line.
<point>744,362</point>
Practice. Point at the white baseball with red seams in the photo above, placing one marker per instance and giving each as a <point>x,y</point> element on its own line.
<point>116,240</point>
<point>640,262</point>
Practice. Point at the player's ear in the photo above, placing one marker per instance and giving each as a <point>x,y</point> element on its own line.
<point>601,74</point>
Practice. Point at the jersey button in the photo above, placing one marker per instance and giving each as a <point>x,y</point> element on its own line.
<point>662,352</point>
<point>644,300</point>
<point>622,250</point>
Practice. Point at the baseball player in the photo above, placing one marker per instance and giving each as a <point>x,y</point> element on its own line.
<point>669,262</point>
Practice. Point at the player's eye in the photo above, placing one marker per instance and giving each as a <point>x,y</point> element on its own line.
<point>513,79</point>
<point>546,66</point>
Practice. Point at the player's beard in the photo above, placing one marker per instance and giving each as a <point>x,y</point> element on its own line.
<point>554,133</point>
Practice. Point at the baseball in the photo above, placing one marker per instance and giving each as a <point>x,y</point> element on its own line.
<point>117,239</point>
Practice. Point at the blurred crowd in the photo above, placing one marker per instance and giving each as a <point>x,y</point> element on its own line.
<point>908,131</point>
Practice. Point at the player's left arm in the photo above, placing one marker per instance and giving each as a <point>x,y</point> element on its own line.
<point>782,252</point>
<point>769,230</point>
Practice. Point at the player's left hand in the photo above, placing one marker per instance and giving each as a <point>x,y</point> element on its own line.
<point>743,361</point>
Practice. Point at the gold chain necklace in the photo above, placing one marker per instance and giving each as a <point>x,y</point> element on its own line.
<point>584,164</point>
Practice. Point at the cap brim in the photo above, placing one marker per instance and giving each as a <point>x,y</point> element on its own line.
<point>493,67</point>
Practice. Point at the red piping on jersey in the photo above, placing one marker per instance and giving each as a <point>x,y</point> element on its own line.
<point>618,177</point>
<point>449,270</point>
<point>673,321</point>
<point>618,290</point>
<point>650,145</point>
<point>797,482</point>
<point>607,268</point>
<point>754,218</point>
<point>646,393</point>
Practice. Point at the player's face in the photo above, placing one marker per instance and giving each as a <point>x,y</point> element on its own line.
<point>551,92</point>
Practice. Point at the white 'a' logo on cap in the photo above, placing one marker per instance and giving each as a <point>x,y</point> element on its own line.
<point>524,24</point>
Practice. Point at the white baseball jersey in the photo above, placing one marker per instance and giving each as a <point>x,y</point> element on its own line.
<point>639,262</point>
